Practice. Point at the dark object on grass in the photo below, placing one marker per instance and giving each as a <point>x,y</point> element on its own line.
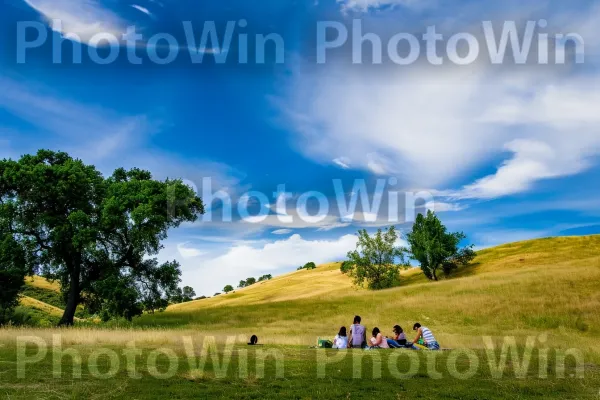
<point>253,340</point>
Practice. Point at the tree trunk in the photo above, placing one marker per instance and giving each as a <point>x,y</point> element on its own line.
<point>435,278</point>
<point>72,300</point>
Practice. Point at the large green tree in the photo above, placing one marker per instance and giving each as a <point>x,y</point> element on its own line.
<point>435,248</point>
<point>374,260</point>
<point>98,237</point>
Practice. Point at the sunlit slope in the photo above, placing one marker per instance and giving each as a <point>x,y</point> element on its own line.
<point>529,257</point>
<point>42,283</point>
<point>325,281</point>
<point>534,286</point>
<point>40,306</point>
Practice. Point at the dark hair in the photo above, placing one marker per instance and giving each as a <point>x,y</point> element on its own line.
<point>357,319</point>
<point>398,329</point>
<point>253,340</point>
<point>376,331</point>
<point>416,326</point>
<point>342,331</point>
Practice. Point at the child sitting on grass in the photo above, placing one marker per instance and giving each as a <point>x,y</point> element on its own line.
<point>341,339</point>
<point>399,339</point>
<point>378,341</point>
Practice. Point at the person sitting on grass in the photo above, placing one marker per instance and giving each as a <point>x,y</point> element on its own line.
<point>358,335</point>
<point>378,341</point>
<point>341,339</point>
<point>428,339</point>
<point>399,339</point>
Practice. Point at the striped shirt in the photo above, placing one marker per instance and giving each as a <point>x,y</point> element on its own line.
<point>427,335</point>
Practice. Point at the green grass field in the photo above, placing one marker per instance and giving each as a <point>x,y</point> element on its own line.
<point>544,291</point>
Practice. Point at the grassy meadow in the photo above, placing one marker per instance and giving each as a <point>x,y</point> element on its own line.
<point>545,291</point>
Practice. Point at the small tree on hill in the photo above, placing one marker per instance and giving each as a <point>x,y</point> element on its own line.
<point>250,281</point>
<point>374,260</point>
<point>265,278</point>
<point>242,284</point>
<point>228,289</point>
<point>435,248</point>
<point>188,294</point>
<point>310,265</point>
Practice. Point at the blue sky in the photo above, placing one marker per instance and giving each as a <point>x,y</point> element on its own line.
<point>508,152</point>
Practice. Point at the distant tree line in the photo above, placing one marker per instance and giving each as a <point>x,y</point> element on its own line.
<point>248,282</point>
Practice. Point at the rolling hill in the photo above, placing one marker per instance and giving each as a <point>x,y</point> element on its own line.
<point>525,288</point>
<point>545,285</point>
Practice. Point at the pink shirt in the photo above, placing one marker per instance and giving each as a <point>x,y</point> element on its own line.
<point>380,341</point>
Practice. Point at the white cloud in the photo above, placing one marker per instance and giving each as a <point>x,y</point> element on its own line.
<point>532,161</point>
<point>282,231</point>
<point>342,162</point>
<point>434,126</point>
<point>423,123</point>
<point>244,260</point>
<point>327,222</point>
<point>440,206</point>
<point>142,9</point>
<point>186,251</point>
<point>84,18</point>
<point>365,5</point>
<point>376,164</point>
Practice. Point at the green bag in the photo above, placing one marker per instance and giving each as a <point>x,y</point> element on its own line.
<point>324,343</point>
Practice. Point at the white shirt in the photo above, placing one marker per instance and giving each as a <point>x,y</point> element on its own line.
<point>340,342</point>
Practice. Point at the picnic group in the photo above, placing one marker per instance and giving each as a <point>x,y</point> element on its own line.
<point>357,338</point>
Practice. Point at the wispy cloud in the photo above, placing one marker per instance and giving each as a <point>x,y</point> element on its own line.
<point>100,136</point>
<point>96,132</point>
<point>81,18</point>
<point>142,9</point>
<point>433,127</point>
<point>342,162</point>
<point>366,5</point>
<point>282,231</point>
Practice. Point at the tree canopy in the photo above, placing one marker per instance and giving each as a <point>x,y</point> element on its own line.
<point>228,289</point>
<point>374,260</point>
<point>95,235</point>
<point>435,248</point>
<point>267,277</point>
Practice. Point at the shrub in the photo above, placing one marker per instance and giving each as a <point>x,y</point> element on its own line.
<point>346,267</point>
<point>374,260</point>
